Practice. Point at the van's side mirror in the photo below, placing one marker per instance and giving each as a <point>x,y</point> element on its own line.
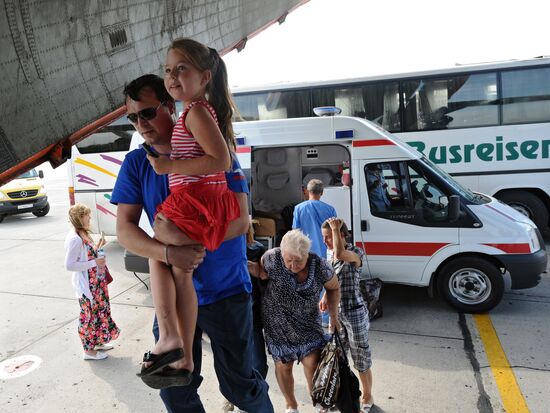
<point>454,208</point>
<point>41,174</point>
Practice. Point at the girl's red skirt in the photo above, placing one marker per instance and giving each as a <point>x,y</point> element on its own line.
<point>202,210</point>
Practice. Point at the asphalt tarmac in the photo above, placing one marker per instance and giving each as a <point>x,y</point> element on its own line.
<point>426,357</point>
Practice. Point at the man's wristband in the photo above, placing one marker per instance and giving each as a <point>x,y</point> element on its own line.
<point>166,254</point>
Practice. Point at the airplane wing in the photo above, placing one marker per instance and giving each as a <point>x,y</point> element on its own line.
<point>64,64</point>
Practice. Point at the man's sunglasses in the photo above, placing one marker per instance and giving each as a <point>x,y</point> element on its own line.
<point>144,114</point>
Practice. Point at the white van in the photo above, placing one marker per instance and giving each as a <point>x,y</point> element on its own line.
<point>429,231</point>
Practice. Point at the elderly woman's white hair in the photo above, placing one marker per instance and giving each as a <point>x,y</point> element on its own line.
<point>297,243</point>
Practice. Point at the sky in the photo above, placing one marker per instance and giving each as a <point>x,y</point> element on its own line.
<point>339,39</point>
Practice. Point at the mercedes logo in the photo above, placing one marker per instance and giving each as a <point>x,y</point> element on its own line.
<point>23,194</point>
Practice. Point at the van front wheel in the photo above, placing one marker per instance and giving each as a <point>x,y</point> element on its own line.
<point>42,212</point>
<point>471,284</point>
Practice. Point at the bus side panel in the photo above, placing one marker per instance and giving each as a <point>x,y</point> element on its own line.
<point>500,156</point>
<point>106,213</point>
<point>493,184</point>
<point>94,177</point>
<point>88,199</point>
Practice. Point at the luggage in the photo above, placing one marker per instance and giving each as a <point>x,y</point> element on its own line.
<point>326,379</point>
<point>370,290</point>
<point>349,392</point>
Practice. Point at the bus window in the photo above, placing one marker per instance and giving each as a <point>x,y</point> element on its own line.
<point>448,103</point>
<point>349,99</point>
<point>377,102</point>
<point>382,105</point>
<point>273,105</point>
<point>526,96</point>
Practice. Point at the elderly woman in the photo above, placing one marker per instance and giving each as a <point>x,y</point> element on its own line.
<point>96,328</point>
<point>347,261</point>
<point>292,322</point>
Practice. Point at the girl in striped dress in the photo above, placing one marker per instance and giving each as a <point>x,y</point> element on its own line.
<point>200,203</point>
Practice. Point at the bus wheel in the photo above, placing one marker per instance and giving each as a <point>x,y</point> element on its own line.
<point>471,284</point>
<point>42,212</point>
<point>529,205</point>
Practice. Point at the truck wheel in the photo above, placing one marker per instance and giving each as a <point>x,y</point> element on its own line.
<point>471,284</point>
<point>43,211</point>
<point>529,205</point>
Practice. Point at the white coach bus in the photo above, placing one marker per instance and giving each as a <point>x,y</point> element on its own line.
<point>487,125</point>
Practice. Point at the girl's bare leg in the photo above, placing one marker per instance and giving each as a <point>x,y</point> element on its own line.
<point>163,289</point>
<point>168,233</point>
<point>187,306</point>
<point>186,297</point>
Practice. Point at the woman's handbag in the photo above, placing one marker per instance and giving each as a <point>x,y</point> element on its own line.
<point>108,276</point>
<point>349,393</point>
<point>326,379</point>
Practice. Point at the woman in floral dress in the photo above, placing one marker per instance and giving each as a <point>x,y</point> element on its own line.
<point>96,328</point>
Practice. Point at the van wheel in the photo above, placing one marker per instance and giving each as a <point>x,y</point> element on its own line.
<point>471,284</point>
<point>529,205</point>
<point>42,212</point>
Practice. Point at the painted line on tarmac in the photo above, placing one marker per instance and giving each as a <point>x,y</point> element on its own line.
<point>510,393</point>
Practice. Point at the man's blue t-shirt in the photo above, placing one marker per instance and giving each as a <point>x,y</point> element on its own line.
<point>224,272</point>
<point>308,216</point>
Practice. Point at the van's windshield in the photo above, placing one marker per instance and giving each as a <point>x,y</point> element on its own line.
<point>464,192</point>
<point>29,174</point>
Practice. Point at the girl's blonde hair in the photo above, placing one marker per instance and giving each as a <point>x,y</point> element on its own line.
<point>218,95</point>
<point>297,243</point>
<point>76,213</point>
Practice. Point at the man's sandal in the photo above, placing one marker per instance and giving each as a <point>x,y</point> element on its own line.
<point>168,377</point>
<point>159,361</point>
